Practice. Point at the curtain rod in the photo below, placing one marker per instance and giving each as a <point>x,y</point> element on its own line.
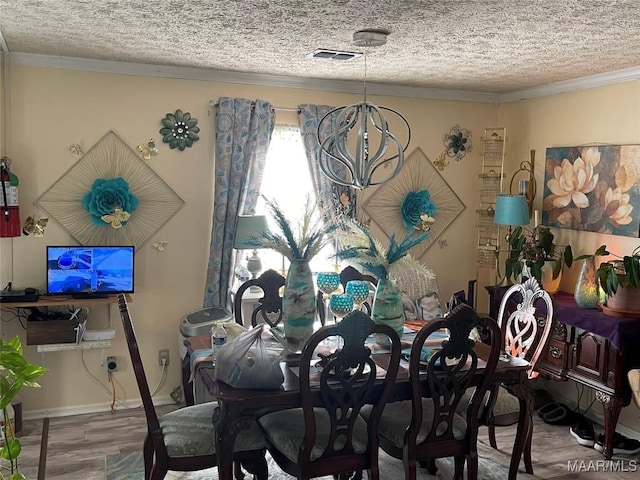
<point>214,103</point>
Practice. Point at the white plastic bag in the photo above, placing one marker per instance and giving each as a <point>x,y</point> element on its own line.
<point>245,362</point>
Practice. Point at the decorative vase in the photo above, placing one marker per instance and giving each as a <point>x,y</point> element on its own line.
<point>586,293</point>
<point>387,308</point>
<point>298,305</point>
<point>549,284</point>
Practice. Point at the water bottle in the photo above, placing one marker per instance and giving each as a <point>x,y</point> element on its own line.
<point>218,338</point>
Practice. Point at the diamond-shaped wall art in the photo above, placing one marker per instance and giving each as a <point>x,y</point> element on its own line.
<point>111,158</point>
<point>384,207</point>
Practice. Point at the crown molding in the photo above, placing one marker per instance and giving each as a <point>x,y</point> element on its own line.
<point>338,86</point>
<point>583,83</point>
<point>190,73</point>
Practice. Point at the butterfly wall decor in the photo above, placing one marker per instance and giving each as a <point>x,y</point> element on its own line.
<point>117,218</point>
<point>149,150</point>
<point>35,228</point>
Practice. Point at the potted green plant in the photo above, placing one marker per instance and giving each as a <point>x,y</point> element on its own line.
<point>534,249</point>
<point>620,281</point>
<point>15,373</point>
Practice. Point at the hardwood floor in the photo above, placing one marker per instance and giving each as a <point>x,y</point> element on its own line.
<point>77,447</point>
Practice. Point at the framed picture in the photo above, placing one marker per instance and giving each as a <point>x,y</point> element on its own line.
<point>593,188</point>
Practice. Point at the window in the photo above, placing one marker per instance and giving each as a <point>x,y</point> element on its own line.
<point>287,181</point>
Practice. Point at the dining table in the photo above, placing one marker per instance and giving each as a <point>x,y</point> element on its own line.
<point>239,407</point>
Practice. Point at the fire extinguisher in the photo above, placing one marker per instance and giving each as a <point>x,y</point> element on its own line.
<point>9,210</point>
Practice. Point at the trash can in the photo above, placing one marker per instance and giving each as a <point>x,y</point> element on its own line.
<point>195,323</point>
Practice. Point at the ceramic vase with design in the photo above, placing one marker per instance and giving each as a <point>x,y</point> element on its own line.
<point>298,305</point>
<point>387,308</point>
<point>586,293</point>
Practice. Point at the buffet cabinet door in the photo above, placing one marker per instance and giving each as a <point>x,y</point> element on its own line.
<point>595,359</point>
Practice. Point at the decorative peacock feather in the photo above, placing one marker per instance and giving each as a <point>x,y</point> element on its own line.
<point>364,250</point>
<point>304,243</point>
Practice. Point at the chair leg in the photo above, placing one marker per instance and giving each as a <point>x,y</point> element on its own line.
<point>430,465</point>
<point>459,467</point>
<point>472,466</point>
<point>258,467</point>
<point>528,465</point>
<point>238,474</point>
<point>147,454</point>
<point>157,474</point>
<point>492,436</point>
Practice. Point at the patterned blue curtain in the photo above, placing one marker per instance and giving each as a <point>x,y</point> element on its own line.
<point>335,199</point>
<point>243,130</point>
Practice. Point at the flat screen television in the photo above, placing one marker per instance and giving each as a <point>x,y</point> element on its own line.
<point>90,271</point>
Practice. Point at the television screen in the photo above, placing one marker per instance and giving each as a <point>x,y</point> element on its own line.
<point>89,271</point>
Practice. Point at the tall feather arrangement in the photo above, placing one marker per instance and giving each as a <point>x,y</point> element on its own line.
<point>361,248</point>
<point>302,242</point>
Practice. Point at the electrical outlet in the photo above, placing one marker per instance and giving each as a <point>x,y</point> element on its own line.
<point>112,365</point>
<point>163,354</point>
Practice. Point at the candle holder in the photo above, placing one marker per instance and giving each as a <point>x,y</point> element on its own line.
<point>359,290</point>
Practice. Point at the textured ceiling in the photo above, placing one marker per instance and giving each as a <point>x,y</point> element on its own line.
<point>494,46</point>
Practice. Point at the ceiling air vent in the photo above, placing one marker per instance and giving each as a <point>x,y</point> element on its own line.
<point>333,54</point>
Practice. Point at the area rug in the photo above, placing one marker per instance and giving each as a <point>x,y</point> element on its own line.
<point>493,465</point>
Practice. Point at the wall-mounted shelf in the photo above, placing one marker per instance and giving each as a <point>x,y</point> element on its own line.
<point>63,347</point>
<point>53,300</point>
<point>491,176</point>
<point>42,331</point>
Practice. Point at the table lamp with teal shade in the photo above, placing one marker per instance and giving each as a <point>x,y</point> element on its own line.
<point>249,227</point>
<point>511,210</point>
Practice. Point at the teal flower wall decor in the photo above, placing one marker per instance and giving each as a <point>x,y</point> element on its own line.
<point>418,210</point>
<point>107,199</point>
<point>179,130</point>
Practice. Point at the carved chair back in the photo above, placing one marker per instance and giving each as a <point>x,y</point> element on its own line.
<point>526,328</point>
<point>452,365</point>
<point>269,309</point>
<point>347,380</point>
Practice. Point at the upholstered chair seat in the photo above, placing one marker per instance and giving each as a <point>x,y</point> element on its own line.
<point>188,432</point>
<point>285,430</point>
<point>397,416</point>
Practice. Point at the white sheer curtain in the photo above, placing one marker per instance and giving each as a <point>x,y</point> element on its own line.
<point>287,181</point>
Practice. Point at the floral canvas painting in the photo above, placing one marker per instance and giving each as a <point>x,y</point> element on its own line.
<point>593,188</point>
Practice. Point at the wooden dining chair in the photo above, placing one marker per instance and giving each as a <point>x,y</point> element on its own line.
<point>526,319</point>
<point>269,308</point>
<point>429,426</point>
<point>183,440</point>
<point>326,435</point>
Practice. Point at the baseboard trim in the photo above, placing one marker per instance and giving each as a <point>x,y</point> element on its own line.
<point>94,408</point>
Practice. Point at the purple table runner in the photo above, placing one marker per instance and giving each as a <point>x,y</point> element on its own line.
<point>624,333</point>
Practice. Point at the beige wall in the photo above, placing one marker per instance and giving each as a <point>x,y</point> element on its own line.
<point>604,115</point>
<point>53,108</point>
